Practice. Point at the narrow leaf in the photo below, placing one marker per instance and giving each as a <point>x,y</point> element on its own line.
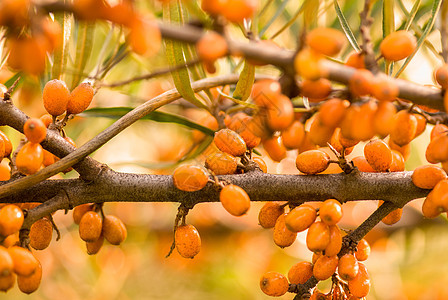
<point>410,16</point>
<point>60,54</point>
<point>245,82</point>
<point>388,27</point>
<point>83,50</point>
<point>347,30</point>
<point>279,11</point>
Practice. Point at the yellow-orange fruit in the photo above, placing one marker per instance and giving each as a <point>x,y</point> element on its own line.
<point>335,244</point>
<point>80,98</point>
<point>360,285</point>
<point>235,200</point>
<point>90,226</point>
<point>293,135</point>
<point>280,113</point>
<point>312,161</point>
<point>319,133</point>
<point>398,164</point>
<point>300,272</point>
<point>393,217</point>
<point>427,176</point>
<point>238,10</point>
<point>80,210</point>
<point>363,250</point>
<point>30,158</point>
<point>300,218</point>
<point>348,267</point>
<point>362,122</point>
<point>441,75</point>
<point>316,89</point>
<point>221,163</point>
<point>211,46</point>
<point>114,230</point>
<point>275,148</point>
<point>55,97</point>
<point>360,83</point>
<point>6,264</point>
<point>207,121</point>
<point>334,141</point>
<point>437,149</point>
<point>327,41</point>
<point>274,284</point>
<point>361,163</point>
<point>308,64</point>
<point>330,211</point>
<point>269,214</point>
<point>325,267</point>
<point>24,261</point>
<point>316,256</point>
<point>48,158</point>
<point>378,155</point>
<point>385,89</point>
<point>230,142</point>
<point>261,163</point>
<point>144,37</point>
<point>421,124</point>
<point>2,148</point>
<point>332,112</point>
<point>318,236</point>
<point>188,241</point>
<point>11,219</point>
<point>30,284</point>
<point>283,237</point>
<point>94,247</point>
<point>355,60</point>
<point>265,91</point>
<point>405,150</point>
<point>35,130</point>
<point>398,45</point>
<point>7,282</point>
<point>5,172</point>
<point>213,7</point>
<point>307,144</point>
<point>404,128</point>
<point>437,130</point>
<point>190,178</point>
<point>41,233</point>
<point>383,119</point>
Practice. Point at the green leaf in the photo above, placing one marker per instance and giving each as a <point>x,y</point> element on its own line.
<point>245,82</point>
<point>310,13</point>
<point>61,54</point>
<point>279,11</point>
<point>410,16</point>
<point>13,79</point>
<point>83,50</point>
<point>157,116</point>
<point>388,27</point>
<point>347,30</point>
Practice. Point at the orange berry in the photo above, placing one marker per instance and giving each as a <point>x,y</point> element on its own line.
<point>355,60</point>
<point>283,237</point>
<point>211,46</point>
<point>25,264</point>
<point>238,10</point>
<point>361,163</point>
<point>398,45</point>
<point>90,226</point>
<point>274,284</point>
<point>269,214</point>
<point>80,210</point>
<point>436,150</point>
<point>300,218</point>
<point>325,267</point>
<point>29,284</point>
<point>319,133</point>
<point>190,178</point>
<point>405,150</point>
<point>404,128</point>
<point>230,142</point>
<point>280,113</point>
<point>261,163</point>
<point>94,247</point>
<point>308,64</point>
<point>187,240</point>
<point>332,112</point>
<point>264,91</point>
<point>6,264</point>
<point>300,272</point>
<point>348,267</point>
<point>8,144</point>
<point>383,119</point>
<point>360,285</point>
<point>318,236</point>
<point>55,96</point>
<point>213,7</point>
<point>7,282</point>
<point>144,37</point>
<point>441,75</point>
<point>30,158</point>
<point>35,130</point>
<point>316,89</point>
<point>293,135</point>
<point>385,89</point>
<point>11,219</point>
<point>312,161</point>
<point>207,121</point>
<point>330,211</point>
<point>378,155</point>
<point>360,83</point>
<point>427,176</point>
<point>80,98</point>
<point>275,148</point>
<point>335,244</point>
<point>221,163</point>
<point>393,217</point>
<point>421,124</point>
<point>47,119</point>
<point>235,200</point>
<point>114,230</point>
<point>363,250</point>
<point>362,122</point>
<point>41,233</point>
<point>316,256</point>
<point>307,144</point>
<point>397,164</point>
<point>327,41</point>
<point>48,158</point>
<point>438,129</point>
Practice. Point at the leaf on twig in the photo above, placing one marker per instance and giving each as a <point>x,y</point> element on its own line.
<point>245,83</point>
<point>347,30</point>
<point>83,50</point>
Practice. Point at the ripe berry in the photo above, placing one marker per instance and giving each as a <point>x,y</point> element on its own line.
<point>269,214</point>
<point>35,130</point>
<point>330,212</point>
<point>363,251</point>
<point>393,217</point>
<point>261,163</point>
<point>404,128</point>
<point>11,219</point>
<point>80,98</point>
<point>55,97</point>
<point>441,75</point>
<point>436,150</point>
<point>280,113</point>
<point>283,237</point>
<point>90,226</point>
<point>30,158</point>
<point>264,91</point>
<point>235,200</point>
<point>114,231</point>
<point>360,83</point>
<point>275,148</point>
<point>335,244</point>
<point>213,7</point>
<point>318,236</point>
<point>300,218</point>
<point>308,64</point>
<point>312,161</point>
<point>361,163</point>
<point>25,264</point>
<point>190,178</point>
<point>274,284</point>
<point>317,90</point>
<point>325,267</point>
<point>144,37</point>
<point>355,60</point>
<point>327,41</point>
<point>421,124</point>
<point>6,264</point>
<point>221,163</point>
<point>427,176</point>
<point>378,155</point>
<point>94,247</point>
<point>230,142</point>
<point>80,210</point>
<point>360,285</point>
<point>348,267</point>
<point>29,284</point>
<point>7,282</point>
<point>41,233</point>
<point>293,135</point>
<point>383,119</point>
<point>405,150</point>
<point>300,272</point>
<point>398,164</point>
<point>188,241</point>
<point>438,129</point>
<point>398,45</point>
<point>319,133</point>
<point>362,122</point>
<point>207,121</point>
<point>332,112</point>
<point>211,46</point>
<point>8,144</point>
<point>238,10</point>
<point>385,89</point>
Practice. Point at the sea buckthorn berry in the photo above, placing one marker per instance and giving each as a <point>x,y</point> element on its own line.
<point>55,97</point>
<point>300,218</point>
<point>144,37</point>
<point>360,285</point>
<point>24,261</point>
<point>327,41</point>
<point>248,132</point>
<point>441,75</point>
<point>316,89</point>
<point>363,250</point>
<point>316,256</point>
<point>7,282</point>
<point>11,240</point>
<point>318,236</point>
<point>80,98</point>
<point>261,163</point>
<point>325,267</point>
<point>280,114</point>
<point>332,112</point>
<point>393,217</point>
<point>293,135</point>
<point>94,247</point>
<point>80,210</point>
<point>235,200</point>
<point>8,144</point>
<point>378,155</point>
<point>437,149</point>
<point>211,47</point>
<point>264,91</point>
<point>318,295</point>
<point>35,130</point>
<point>238,10</point>
<point>300,272</point>
<point>398,164</point>
<point>431,206</point>
<point>330,211</point>
<point>404,128</point>
<point>30,158</point>
<point>421,124</point>
<point>335,244</point>
<point>41,233</point>
<point>207,121</point>
<point>11,219</point>
<point>362,122</point>
<point>438,129</point>
<point>308,64</point>
<point>189,178</point>
<point>213,7</point>
<point>405,150</point>
<point>90,226</point>
<point>346,142</point>
<point>30,284</point>
<point>427,176</point>
<point>187,240</point>
<point>114,231</point>
<point>355,60</point>
<point>319,133</point>
<point>312,161</point>
<point>348,267</point>
<point>385,89</point>
<point>221,163</point>
<point>275,148</point>
<point>398,45</point>
<point>334,141</point>
<point>48,158</point>
<point>269,214</point>
<point>307,144</point>
<point>274,284</point>
<point>230,142</point>
<point>6,264</point>
<point>283,237</point>
<point>383,119</point>
<point>361,82</point>
<point>361,163</point>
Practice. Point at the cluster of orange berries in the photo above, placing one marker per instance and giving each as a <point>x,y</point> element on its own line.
<point>93,228</point>
<point>324,239</point>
